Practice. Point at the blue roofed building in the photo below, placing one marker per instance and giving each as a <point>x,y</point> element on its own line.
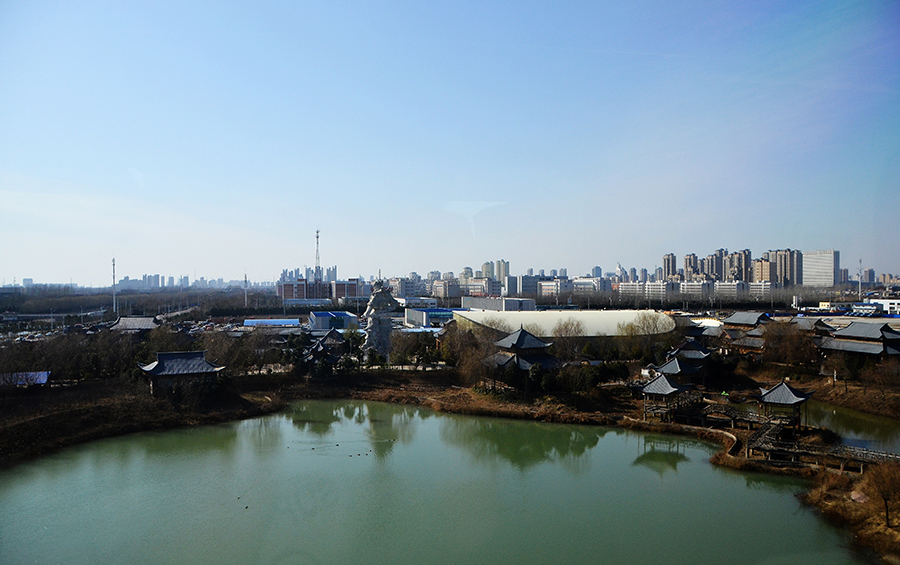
<point>332,320</point>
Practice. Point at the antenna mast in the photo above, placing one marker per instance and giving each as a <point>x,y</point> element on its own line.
<point>318,272</point>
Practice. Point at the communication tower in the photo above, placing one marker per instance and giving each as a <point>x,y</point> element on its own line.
<point>318,271</point>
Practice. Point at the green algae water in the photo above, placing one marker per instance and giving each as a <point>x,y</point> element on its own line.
<point>354,482</point>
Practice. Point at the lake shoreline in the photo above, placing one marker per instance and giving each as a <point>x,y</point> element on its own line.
<point>30,438</point>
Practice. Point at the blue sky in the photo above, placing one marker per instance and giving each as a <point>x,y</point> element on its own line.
<point>211,139</point>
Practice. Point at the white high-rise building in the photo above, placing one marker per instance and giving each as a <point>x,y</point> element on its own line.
<point>821,268</point>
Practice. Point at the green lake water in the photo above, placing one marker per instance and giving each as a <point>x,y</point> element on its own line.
<point>353,482</point>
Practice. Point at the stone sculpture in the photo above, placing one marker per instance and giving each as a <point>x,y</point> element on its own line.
<point>378,320</point>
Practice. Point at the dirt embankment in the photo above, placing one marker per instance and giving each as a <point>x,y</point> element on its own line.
<point>850,501</point>
<point>40,425</point>
<point>881,401</point>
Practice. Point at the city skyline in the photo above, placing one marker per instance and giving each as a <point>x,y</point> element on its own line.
<point>193,138</point>
<point>498,269</point>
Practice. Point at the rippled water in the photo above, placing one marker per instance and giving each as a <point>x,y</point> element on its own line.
<point>342,481</point>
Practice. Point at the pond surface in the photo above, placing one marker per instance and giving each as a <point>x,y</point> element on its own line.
<point>354,482</point>
<point>856,428</point>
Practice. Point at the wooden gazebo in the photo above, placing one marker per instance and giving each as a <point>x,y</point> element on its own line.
<point>663,395</point>
<point>783,398</point>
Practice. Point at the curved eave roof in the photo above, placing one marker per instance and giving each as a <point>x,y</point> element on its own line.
<point>522,339</point>
<point>180,363</point>
<point>783,394</point>
<point>664,386</point>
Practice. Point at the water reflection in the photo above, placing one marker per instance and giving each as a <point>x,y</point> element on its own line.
<point>661,454</point>
<point>389,424</point>
<point>522,445</point>
<point>222,499</point>
<point>317,418</point>
<point>383,425</point>
<point>857,428</point>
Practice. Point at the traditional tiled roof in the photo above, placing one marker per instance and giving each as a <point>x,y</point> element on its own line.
<point>867,331</point>
<point>712,331</point>
<point>503,359</point>
<point>746,318</point>
<point>758,331</point>
<point>180,363</point>
<point>133,324</point>
<point>678,367</point>
<point>783,394</point>
<point>522,339</point>
<point>333,337</point>
<point>664,386</point>
<point>691,349</point>
<point>854,346</point>
<point>733,334</point>
<point>810,324</point>
<point>757,343</point>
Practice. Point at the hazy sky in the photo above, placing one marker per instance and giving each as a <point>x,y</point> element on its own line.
<point>188,138</point>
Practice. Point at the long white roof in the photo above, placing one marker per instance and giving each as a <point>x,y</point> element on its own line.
<point>594,322</point>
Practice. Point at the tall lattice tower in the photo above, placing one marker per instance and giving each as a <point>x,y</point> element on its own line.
<point>318,272</point>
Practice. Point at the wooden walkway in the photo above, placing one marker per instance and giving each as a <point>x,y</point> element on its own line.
<point>765,438</point>
<point>840,456</point>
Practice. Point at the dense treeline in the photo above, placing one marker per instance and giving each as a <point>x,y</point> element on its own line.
<point>113,355</point>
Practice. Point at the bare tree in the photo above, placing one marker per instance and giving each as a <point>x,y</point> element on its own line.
<point>786,343</point>
<point>883,482</point>
<point>566,334</point>
<point>641,337</point>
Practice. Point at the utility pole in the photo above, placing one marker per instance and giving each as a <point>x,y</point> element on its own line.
<point>115,305</point>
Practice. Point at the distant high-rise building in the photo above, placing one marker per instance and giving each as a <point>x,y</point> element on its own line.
<point>596,272</point>
<point>821,268</point>
<point>502,269</point>
<point>529,272</point>
<point>716,264</point>
<point>713,266</point>
<point>691,266</point>
<point>563,273</point>
<point>763,271</point>
<point>632,274</point>
<point>487,270</point>
<point>553,273</point>
<point>643,276</point>
<point>669,266</point>
<point>736,266</point>
<point>868,276</point>
<point>788,266</point>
